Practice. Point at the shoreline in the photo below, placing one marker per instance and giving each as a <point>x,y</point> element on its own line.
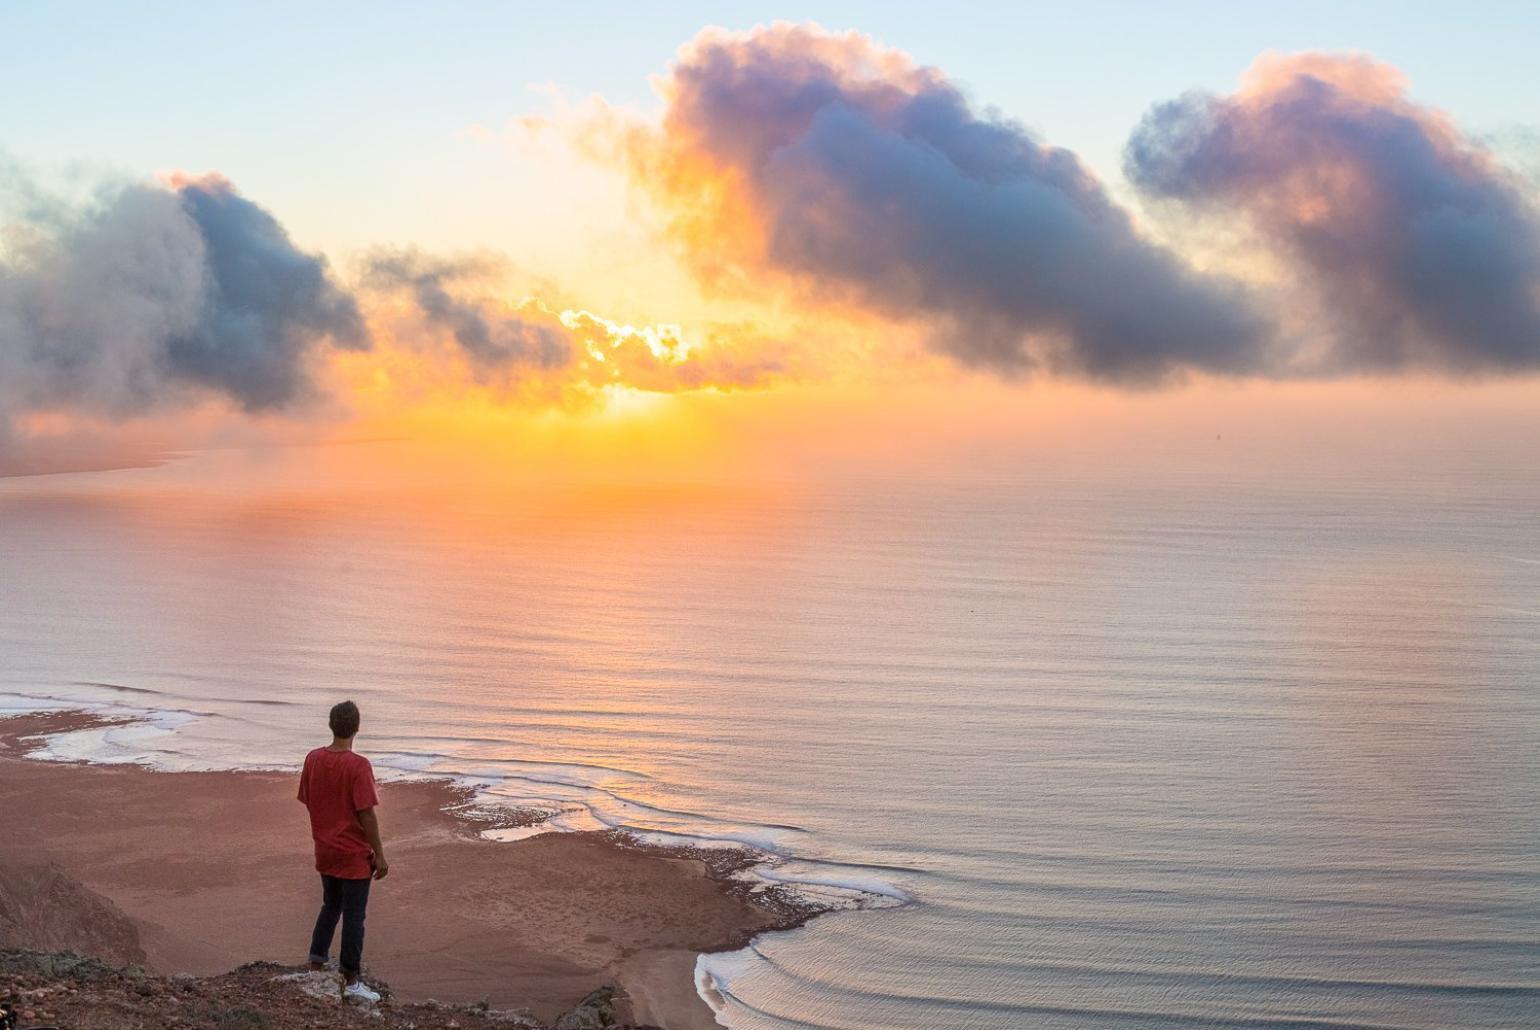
<point>215,870</point>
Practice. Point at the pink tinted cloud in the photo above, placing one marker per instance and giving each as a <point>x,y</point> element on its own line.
<point>1424,252</point>
<point>873,181</point>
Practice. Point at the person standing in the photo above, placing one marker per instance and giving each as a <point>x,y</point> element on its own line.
<point>337,787</point>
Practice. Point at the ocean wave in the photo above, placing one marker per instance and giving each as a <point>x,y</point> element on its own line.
<point>125,689</point>
<point>715,973</point>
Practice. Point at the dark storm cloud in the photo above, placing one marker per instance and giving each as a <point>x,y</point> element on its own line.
<point>146,297</point>
<point>875,180</point>
<point>1423,250</point>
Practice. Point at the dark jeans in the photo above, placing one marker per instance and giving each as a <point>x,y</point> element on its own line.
<point>348,899</point>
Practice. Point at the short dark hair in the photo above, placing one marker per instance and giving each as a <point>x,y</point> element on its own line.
<point>344,720</point>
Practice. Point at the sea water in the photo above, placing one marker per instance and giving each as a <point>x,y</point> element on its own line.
<point>1198,745</point>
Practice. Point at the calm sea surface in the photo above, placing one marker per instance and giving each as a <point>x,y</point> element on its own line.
<point>1203,746</point>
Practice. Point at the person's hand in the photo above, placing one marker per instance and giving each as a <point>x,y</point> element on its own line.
<point>381,867</point>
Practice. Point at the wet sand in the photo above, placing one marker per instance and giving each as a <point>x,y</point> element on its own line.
<point>216,870</point>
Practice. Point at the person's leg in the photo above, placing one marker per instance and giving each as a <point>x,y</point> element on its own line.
<point>355,899</point>
<point>326,922</point>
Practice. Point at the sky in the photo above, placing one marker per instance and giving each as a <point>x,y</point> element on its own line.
<point>417,215</point>
<point>351,119</point>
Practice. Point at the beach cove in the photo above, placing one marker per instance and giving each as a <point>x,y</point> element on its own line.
<point>212,869</point>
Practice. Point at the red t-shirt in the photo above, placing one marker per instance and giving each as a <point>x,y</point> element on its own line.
<point>335,786</point>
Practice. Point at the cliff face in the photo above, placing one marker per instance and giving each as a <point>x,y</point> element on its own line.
<point>43,908</point>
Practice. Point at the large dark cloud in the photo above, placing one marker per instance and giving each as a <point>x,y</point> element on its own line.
<point>146,297</point>
<point>874,180</point>
<point>1421,248</point>
<point>265,304</point>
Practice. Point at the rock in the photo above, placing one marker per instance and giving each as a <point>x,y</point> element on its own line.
<point>319,985</point>
<point>71,991</point>
<point>594,1012</point>
<point>54,965</point>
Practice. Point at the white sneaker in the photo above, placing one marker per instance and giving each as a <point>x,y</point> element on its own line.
<point>360,991</point>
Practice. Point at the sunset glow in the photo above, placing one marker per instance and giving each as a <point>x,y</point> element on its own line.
<point>787,256</point>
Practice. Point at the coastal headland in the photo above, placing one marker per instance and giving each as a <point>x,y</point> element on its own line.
<point>213,870</point>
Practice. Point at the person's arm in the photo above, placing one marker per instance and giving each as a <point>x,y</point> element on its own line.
<point>370,824</point>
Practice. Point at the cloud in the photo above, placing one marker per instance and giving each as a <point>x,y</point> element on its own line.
<point>266,303</point>
<point>447,311</point>
<point>1421,249</point>
<point>493,341</point>
<point>795,164</point>
<point>149,297</point>
<point>870,180</point>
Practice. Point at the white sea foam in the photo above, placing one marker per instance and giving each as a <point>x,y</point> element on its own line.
<point>833,882</point>
<point>706,986</point>
<point>141,740</point>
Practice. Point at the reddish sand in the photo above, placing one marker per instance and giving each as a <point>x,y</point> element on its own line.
<point>216,870</point>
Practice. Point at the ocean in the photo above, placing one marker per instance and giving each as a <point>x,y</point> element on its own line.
<point>1182,743</point>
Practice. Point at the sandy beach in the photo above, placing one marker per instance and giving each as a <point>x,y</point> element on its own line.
<point>215,870</point>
